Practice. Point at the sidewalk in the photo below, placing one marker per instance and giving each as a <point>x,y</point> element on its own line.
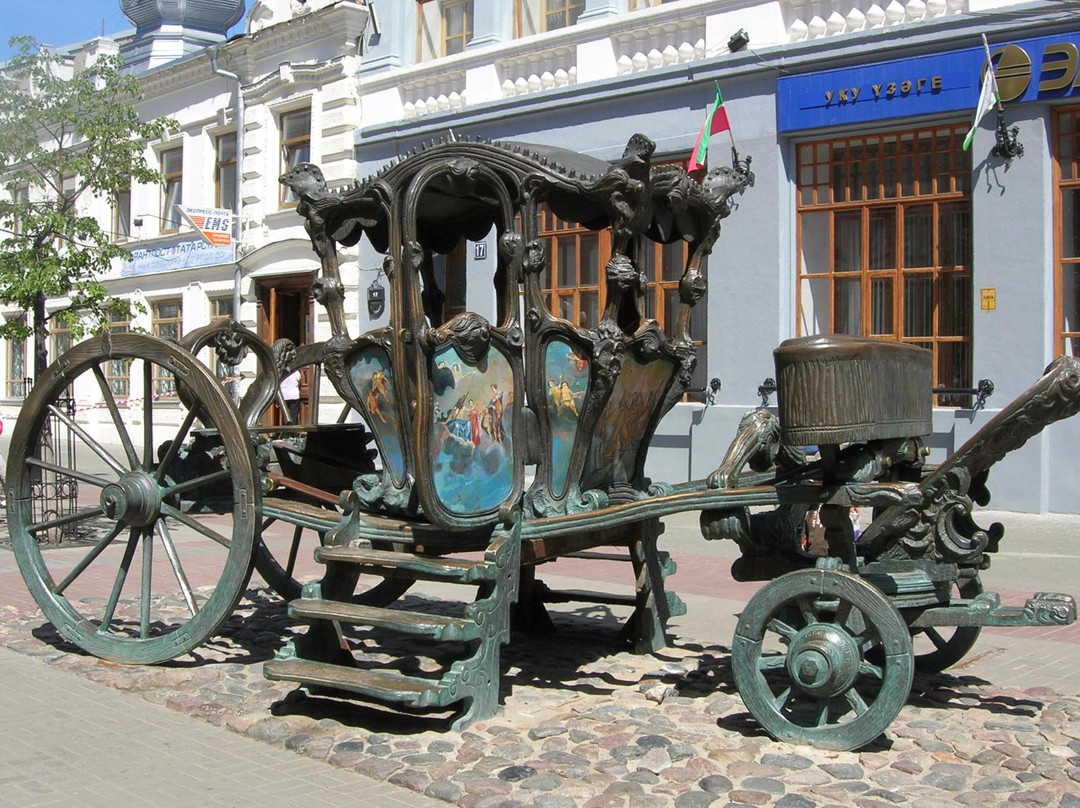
<point>68,741</point>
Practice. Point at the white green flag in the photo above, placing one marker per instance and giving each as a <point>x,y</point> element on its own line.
<point>988,96</point>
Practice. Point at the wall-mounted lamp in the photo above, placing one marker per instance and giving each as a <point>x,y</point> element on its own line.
<point>1006,145</point>
<point>376,299</point>
<point>373,19</point>
<point>739,40</point>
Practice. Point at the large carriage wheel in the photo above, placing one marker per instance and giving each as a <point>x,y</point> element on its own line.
<point>153,554</point>
<point>937,649</point>
<point>799,659</point>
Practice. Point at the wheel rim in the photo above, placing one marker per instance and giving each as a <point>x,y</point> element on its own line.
<point>799,659</point>
<point>157,540</point>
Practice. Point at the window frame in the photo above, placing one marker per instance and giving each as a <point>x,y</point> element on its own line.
<point>226,198</point>
<point>172,184</point>
<point>1066,172</point>
<point>831,193</point>
<point>118,371</point>
<point>290,147</point>
<point>15,387</point>
<point>164,383</point>
<point>121,215</point>
<point>424,54</point>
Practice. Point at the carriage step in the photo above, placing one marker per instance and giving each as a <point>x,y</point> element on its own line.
<point>382,685</point>
<point>437,626</point>
<point>408,565</point>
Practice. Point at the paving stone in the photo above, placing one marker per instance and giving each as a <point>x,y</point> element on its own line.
<point>843,771</point>
<point>715,784</point>
<point>794,801</point>
<point>766,784</point>
<point>695,799</point>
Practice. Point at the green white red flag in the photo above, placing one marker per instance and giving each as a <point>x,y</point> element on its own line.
<point>717,121</point>
<point>988,96</point>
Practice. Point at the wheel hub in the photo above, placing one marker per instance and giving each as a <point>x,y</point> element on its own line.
<point>134,499</point>
<point>823,660</point>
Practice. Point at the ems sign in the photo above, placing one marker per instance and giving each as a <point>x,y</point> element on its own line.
<point>215,224</point>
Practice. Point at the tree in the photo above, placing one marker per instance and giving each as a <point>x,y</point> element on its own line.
<point>66,137</point>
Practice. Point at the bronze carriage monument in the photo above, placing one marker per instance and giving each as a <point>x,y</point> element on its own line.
<point>504,444</point>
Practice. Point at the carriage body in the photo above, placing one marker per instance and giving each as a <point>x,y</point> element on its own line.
<point>460,405</point>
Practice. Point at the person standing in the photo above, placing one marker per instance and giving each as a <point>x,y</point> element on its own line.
<point>290,394</point>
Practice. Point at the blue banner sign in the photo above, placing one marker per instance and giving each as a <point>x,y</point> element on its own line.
<point>182,252</point>
<point>1027,70</point>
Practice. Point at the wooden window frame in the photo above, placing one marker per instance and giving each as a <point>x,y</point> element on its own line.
<point>173,180</point>
<point>121,216</point>
<point>164,382</point>
<point>444,6</point>
<point>291,146</point>
<point>17,354</point>
<point>117,371</point>
<point>220,167</point>
<point>1066,168</point>
<point>566,8</point>
<point>938,179</point>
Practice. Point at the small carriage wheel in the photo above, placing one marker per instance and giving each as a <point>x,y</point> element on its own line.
<point>799,659</point>
<point>949,648</point>
<point>163,530</point>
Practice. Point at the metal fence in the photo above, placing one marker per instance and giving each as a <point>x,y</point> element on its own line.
<point>54,495</point>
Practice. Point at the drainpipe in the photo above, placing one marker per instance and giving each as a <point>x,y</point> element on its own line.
<point>239,173</point>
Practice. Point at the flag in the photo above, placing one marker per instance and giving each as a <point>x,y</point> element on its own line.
<point>717,121</point>
<point>988,97</point>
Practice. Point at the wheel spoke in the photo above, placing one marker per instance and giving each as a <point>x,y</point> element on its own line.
<point>780,627</point>
<point>268,521</point>
<point>88,559</point>
<point>856,701</point>
<point>118,421</point>
<point>178,570</point>
<point>96,447</point>
<point>821,712</point>
<point>195,525</point>
<point>195,482</point>
<point>935,637</point>
<point>298,531</point>
<point>82,476</point>
<point>181,436</point>
<point>807,609</point>
<point>118,584</point>
<point>843,613</point>
<point>60,521</point>
<point>782,699</point>
<point>772,663</point>
<point>148,414</point>
<point>147,583</point>
<point>868,669</point>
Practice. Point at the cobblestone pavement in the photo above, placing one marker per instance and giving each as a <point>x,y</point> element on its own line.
<point>589,724</point>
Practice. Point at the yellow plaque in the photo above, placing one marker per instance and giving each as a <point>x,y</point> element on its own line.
<point>988,295</point>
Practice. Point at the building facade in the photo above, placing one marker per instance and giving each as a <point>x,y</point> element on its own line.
<point>868,216</point>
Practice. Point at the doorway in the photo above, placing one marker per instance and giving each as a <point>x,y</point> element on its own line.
<point>286,311</point>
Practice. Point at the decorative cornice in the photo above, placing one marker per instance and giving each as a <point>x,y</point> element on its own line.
<point>290,73</point>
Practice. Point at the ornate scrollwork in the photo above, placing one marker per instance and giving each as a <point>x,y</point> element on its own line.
<point>469,333</point>
<point>230,345</point>
<point>284,351</point>
<point>375,495</point>
<point>757,442</point>
<point>328,291</point>
<point>535,258</point>
<point>587,501</point>
<point>692,286</point>
<point>1050,609</point>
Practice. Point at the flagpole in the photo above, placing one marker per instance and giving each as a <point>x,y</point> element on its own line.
<point>990,67</point>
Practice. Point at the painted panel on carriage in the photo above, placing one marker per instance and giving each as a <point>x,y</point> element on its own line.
<point>372,380</point>
<point>619,431</point>
<point>567,375</point>
<point>472,450</point>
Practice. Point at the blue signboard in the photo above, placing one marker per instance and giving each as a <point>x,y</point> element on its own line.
<point>182,252</point>
<point>1027,70</point>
